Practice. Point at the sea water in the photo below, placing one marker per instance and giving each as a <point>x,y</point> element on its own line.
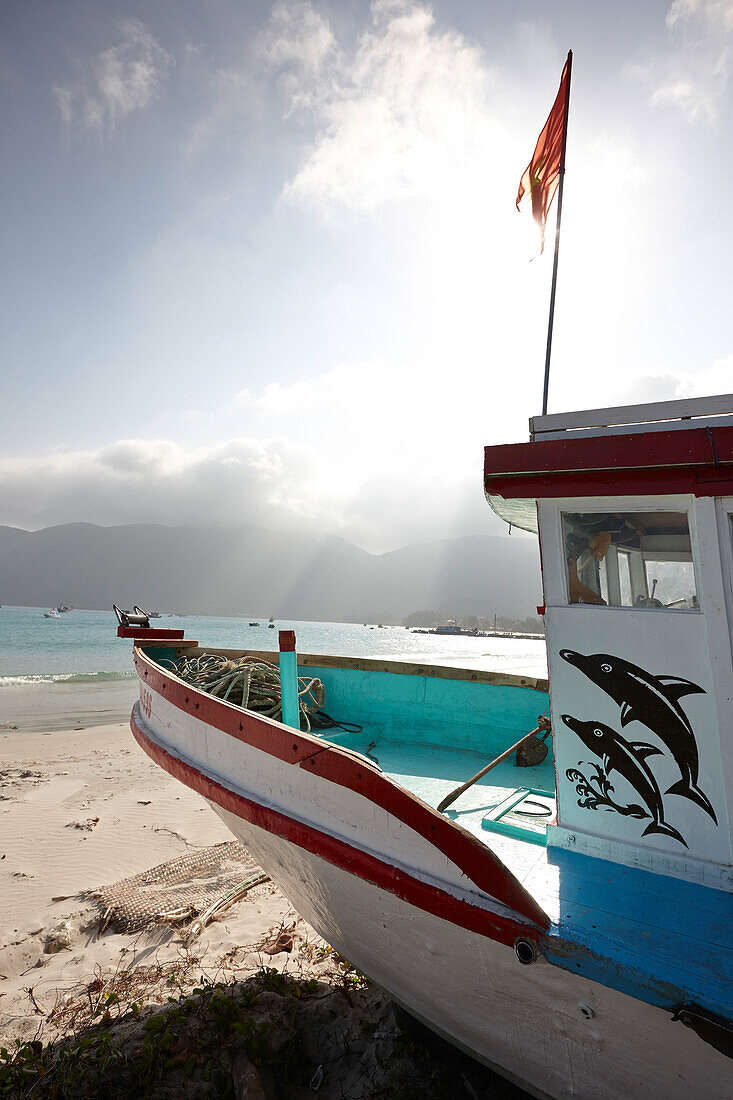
<point>74,670</point>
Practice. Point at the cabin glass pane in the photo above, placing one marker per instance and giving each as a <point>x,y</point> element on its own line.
<point>629,559</point>
<point>624,576</point>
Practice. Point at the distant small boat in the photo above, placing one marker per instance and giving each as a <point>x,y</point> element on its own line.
<point>254,624</point>
<point>52,614</point>
<point>154,615</point>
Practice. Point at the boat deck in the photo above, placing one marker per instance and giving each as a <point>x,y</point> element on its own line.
<point>432,772</point>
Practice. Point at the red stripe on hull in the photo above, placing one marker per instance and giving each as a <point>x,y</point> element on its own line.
<point>428,898</point>
<point>329,762</point>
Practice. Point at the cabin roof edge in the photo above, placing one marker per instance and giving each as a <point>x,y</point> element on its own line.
<point>694,408</point>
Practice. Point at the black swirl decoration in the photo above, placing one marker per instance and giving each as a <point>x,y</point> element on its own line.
<point>596,790</point>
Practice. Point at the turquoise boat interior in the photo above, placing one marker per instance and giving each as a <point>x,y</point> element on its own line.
<point>430,733</point>
<point>430,729</point>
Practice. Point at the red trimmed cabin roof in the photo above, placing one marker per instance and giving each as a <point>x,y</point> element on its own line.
<point>696,460</point>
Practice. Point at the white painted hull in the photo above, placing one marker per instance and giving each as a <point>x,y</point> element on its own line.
<point>416,914</point>
<point>526,1021</point>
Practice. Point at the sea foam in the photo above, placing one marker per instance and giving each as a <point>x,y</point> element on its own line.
<point>64,678</point>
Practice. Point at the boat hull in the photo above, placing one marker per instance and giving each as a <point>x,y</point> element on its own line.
<point>552,1032</point>
<point>405,896</point>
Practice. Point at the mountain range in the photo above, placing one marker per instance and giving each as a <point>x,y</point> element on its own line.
<point>255,571</point>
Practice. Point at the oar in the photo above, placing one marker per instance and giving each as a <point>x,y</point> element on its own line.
<point>544,726</point>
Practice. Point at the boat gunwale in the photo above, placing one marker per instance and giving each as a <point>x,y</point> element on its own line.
<point>330,762</point>
<point>367,664</point>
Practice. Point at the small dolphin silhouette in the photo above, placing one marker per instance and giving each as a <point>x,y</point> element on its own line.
<point>653,700</point>
<point>629,760</point>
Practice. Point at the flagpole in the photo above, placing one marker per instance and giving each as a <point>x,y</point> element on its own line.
<point>548,352</point>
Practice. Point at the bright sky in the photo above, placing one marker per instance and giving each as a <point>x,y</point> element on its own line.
<point>261,262</point>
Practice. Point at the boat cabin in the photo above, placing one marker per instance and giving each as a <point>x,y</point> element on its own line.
<point>634,512</point>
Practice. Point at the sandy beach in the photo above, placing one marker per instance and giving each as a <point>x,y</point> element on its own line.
<point>86,809</point>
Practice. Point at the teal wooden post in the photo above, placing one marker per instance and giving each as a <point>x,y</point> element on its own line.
<point>289,679</point>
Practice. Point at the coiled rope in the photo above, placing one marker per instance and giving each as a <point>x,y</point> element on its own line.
<point>254,684</point>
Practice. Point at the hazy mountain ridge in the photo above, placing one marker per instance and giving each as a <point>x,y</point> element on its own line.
<point>255,571</point>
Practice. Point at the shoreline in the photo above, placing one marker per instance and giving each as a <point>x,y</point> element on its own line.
<point>66,674</point>
<point>62,705</point>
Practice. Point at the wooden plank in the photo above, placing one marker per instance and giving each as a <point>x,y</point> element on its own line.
<point>441,672</point>
<point>682,425</point>
<point>401,668</point>
<point>632,414</point>
<point>149,633</point>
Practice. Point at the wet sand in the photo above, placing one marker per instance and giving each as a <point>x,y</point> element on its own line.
<point>41,707</point>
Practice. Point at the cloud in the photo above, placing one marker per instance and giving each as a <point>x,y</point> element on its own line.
<point>711,381</point>
<point>297,43</point>
<point>393,114</point>
<point>400,446</point>
<point>385,458</point>
<point>617,162</point>
<point>693,78</point>
<point>240,481</point>
<point>118,81</point>
<point>345,387</point>
<point>381,415</point>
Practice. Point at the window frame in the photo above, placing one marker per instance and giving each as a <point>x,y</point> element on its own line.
<point>555,573</point>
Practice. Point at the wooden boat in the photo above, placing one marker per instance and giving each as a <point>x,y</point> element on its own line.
<point>567,923</point>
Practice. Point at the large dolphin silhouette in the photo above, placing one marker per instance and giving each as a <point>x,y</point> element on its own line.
<point>653,700</point>
<point>629,760</point>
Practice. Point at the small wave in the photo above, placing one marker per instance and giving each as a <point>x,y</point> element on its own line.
<point>65,678</point>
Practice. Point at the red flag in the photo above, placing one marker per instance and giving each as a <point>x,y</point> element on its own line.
<point>542,174</point>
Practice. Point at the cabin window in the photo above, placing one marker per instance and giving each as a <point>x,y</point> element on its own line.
<point>629,559</point>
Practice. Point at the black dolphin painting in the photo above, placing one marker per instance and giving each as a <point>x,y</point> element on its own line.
<point>654,701</point>
<point>629,760</point>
